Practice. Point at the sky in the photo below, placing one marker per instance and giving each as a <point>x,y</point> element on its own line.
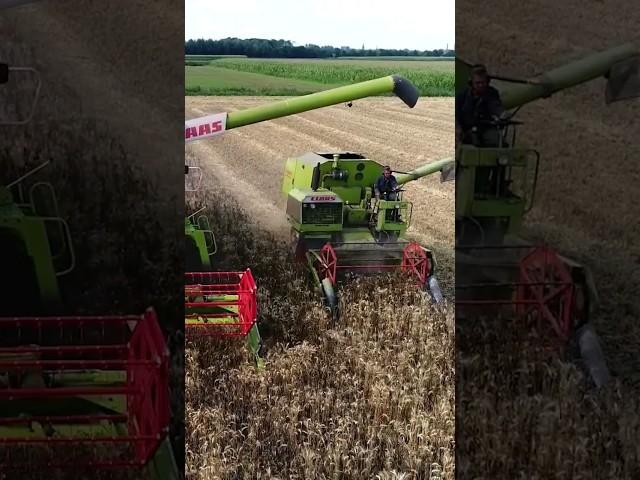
<point>415,24</point>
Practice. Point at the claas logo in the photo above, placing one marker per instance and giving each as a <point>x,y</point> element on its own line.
<point>323,199</point>
<point>204,129</point>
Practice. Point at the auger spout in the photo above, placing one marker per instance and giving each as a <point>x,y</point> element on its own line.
<point>430,168</point>
<point>621,64</point>
<point>569,75</point>
<point>391,84</point>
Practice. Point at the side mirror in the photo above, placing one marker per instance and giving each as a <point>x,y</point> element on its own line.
<point>623,81</point>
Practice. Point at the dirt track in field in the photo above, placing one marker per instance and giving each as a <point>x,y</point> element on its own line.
<point>586,201</point>
<point>249,162</point>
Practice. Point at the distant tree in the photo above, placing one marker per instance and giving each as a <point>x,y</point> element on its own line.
<point>263,48</point>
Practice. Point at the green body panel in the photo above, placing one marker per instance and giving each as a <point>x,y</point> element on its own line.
<point>296,205</point>
<point>361,172</point>
<point>476,199</point>
<point>89,377</point>
<point>200,241</point>
<point>30,235</point>
<point>35,430</point>
<point>390,221</point>
<point>357,235</point>
<point>356,215</point>
<point>254,342</point>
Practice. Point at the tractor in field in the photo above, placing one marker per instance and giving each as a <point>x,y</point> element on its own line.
<point>352,175</point>
<point>500,272</point>
<point>97,384</point>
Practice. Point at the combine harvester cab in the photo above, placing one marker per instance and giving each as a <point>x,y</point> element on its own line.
<point>75,391</point>
<point>495,188</point>
<point>339,227</point>
<point>225,303</point>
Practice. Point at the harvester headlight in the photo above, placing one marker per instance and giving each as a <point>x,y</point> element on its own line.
<point>313,205</point>
<point>503,161</point>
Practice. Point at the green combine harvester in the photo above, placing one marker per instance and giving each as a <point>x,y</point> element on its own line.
<point>495,188</point>
<point>75,391</point>
<point>214,301</point>
<point>338,226</point>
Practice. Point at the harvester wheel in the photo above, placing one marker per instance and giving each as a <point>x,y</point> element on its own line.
<point>331,299</point>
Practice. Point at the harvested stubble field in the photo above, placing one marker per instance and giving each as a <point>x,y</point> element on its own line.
<point>97,125</point>
<point>369,398</point>
<point>534,415</point>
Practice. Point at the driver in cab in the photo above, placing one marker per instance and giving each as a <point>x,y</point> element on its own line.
<point>386,185</point>
<point>479,104</point>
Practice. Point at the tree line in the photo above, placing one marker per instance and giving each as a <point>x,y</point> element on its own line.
<point>262,48</point>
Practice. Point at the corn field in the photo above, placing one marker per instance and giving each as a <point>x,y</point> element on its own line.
<point>430,82</point>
